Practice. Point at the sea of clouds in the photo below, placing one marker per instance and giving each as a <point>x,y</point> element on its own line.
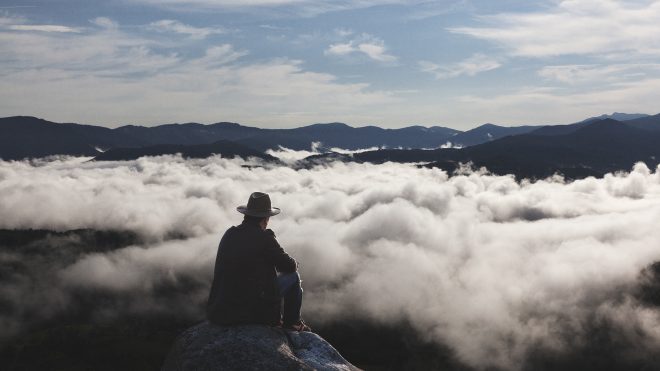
<point>490,267</point>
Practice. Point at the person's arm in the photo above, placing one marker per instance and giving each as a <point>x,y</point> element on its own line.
<point>277,256</point>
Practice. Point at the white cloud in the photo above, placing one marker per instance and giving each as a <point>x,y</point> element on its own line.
<point>343,32</point>
<point>430,9</point>
<point>340,49</point>
<point>43,28</point>
<point>352,151</point>
<point>168,25</point>
<point>219,55</point>
<point>13,22</point>
<point>300,7</point>
<point>376,51</point>
<point>103,52</point>
<point>365,44</point>
<point>105,22</point>
<point>553,105</point>
<point>274,28</point>
<point>470,67</point>
<point>155,82</point>
<point>290,156</point>
<point>598,73</point>
<point>491,268</point>
<point>293,157</point>
<point>577,27</point>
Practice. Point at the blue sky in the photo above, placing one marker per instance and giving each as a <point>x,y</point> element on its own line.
<point>288,63</point>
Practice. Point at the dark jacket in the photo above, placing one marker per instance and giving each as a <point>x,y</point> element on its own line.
<point>244,288</point>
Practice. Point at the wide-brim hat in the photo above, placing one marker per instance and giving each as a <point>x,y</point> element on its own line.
<point>258,205</point>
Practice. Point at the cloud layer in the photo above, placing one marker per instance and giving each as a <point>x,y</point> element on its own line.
<point>492,268</point>
<point>165,61</point>
<point>576,27</point>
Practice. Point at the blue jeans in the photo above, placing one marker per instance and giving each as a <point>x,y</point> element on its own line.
<point>291,293</point>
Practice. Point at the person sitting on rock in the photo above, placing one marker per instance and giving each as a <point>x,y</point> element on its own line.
<point>246,286</point>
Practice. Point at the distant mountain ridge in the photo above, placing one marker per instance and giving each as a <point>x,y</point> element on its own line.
<point>592,149</point>
<point>651,123</point>
<point>488,132</point>
<point>330,135</point>
<point>640,121</point>
<point>24,136</point>
<point>589,147</point>
<point>619,116</point>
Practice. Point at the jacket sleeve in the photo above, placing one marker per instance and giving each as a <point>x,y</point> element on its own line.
<point>276,255</point>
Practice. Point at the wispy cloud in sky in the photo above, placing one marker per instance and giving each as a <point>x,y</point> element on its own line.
<point>12,22</point>
<point>631,96</point>
<point>143,74</point>
<point>470,67</point>
<point>367,45</point>
<point>43,28</point>
<point>169,25</point>
<point>603,27</point>
<point>306,8</point>
<point>599,73</point>
<point>104,22</point>
<point>376,60</point>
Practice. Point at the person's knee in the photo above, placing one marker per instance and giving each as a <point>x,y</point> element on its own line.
<point>297,284</point>
<point>293,277</point>
<point>288,281</point>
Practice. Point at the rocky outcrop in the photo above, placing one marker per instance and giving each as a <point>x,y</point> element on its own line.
<point>251,347</point>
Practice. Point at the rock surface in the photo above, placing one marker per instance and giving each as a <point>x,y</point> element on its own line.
<point>252,347</point>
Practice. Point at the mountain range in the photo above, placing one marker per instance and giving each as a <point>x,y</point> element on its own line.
<point>593,146</point>
<point>593,149</point>
<point>24,136</point>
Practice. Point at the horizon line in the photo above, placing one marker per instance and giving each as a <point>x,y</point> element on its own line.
<point>327,123</point>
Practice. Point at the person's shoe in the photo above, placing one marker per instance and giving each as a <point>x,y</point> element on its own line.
<point>299,326</point>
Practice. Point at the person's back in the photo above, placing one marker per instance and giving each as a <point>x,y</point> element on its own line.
<point>246,287</point>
